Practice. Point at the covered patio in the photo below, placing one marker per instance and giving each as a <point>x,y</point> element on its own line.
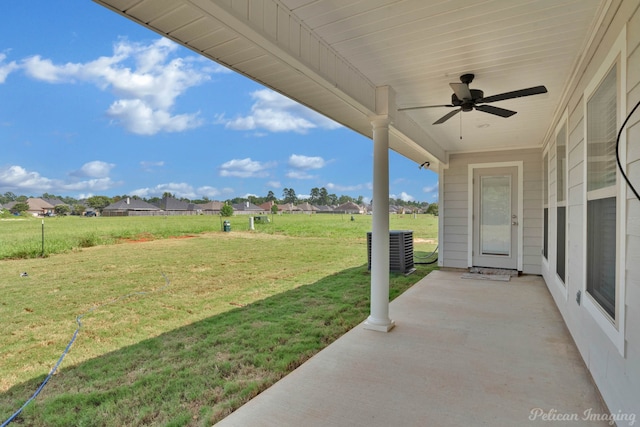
<point>465,352</point>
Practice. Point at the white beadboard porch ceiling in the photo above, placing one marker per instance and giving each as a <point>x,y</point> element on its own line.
<point>332,55</point>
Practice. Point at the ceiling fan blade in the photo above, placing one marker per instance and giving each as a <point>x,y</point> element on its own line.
<point>495,110</point>
<point>447,116</point>
<point>515,94</point>
<point>461,90</point>
<point>424,106</point>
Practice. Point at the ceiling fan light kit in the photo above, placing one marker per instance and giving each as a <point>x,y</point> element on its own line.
<point>466,99</point>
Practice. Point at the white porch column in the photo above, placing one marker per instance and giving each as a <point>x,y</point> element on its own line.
<point>378,319</point>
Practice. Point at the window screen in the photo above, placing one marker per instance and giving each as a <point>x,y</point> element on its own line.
<point>601,262</point>
<point>601,204</point>
<point>601,135</point>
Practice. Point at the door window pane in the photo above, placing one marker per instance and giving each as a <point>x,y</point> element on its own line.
<point>495,215</point>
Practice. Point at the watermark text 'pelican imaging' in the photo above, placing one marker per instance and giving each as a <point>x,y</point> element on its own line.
<point>539,414</point>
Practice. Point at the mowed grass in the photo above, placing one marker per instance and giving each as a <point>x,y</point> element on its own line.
<point>22,237</point>
<point>181,331</point>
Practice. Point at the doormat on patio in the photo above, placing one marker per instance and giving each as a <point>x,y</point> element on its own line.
<point>481,276</point>
<point>487,270</point>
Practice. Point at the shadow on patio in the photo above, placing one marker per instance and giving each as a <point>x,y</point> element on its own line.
<point>464,352</point>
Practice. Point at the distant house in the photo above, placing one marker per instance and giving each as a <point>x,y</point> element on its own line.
<point>173,206</point>
<point>349,208</point>
<point>399,209</point>
<point>54,201</point>
<point>307,208</point>
<point>88,210</point>
<point>324,209</point>
<point>289,208</point>
<point>247,208</point>
<point>266,206</point>
<point>209,208</point>
<point>131,207</point>
<point>37,206</point>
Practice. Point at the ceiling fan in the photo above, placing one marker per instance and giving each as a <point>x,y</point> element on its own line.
<point>468,99</point>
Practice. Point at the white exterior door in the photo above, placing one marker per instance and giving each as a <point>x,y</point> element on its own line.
<point>495,217</point>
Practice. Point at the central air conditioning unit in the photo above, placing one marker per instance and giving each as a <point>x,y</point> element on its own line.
<point>400,251</point>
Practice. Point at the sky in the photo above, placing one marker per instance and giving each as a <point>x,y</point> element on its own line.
<point>94,104</point>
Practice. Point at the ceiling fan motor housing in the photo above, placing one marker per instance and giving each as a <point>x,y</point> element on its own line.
<point>467,104</point>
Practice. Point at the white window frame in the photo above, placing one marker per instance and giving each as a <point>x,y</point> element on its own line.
<point>562,285</point>
<point>613,328</point>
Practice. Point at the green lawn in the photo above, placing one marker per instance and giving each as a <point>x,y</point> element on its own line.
<point>239,311</point>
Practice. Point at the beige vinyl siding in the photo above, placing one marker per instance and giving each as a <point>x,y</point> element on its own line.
<point>455,213</point>
<point>575,199</point>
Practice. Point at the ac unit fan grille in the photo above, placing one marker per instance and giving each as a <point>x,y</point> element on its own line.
<point>400,250</point>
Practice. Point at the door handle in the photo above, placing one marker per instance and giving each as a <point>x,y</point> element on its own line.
<point>514,223</point>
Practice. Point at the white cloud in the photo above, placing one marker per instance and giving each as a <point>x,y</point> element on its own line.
<point>344,188</point>
<point>145,78</point>
<point>299,175</point>
<point>16,178</point>
<point>276,113</point>
<point>211,192</point>
<point>180,189</point>
<point>404,196</point>
<point>98,184</point>
<point>274,184</point>
<point>305,162</point>
<point>94,169</point>
<point>6,68</point>
<point>245,168</point>
<point>141,192</point>
<point>139,118</point>
<point>43,69</point>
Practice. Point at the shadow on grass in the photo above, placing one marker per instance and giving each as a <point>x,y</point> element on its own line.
<point>198,374</point>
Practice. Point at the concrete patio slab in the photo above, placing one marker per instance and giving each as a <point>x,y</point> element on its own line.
<point>463,353</point>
